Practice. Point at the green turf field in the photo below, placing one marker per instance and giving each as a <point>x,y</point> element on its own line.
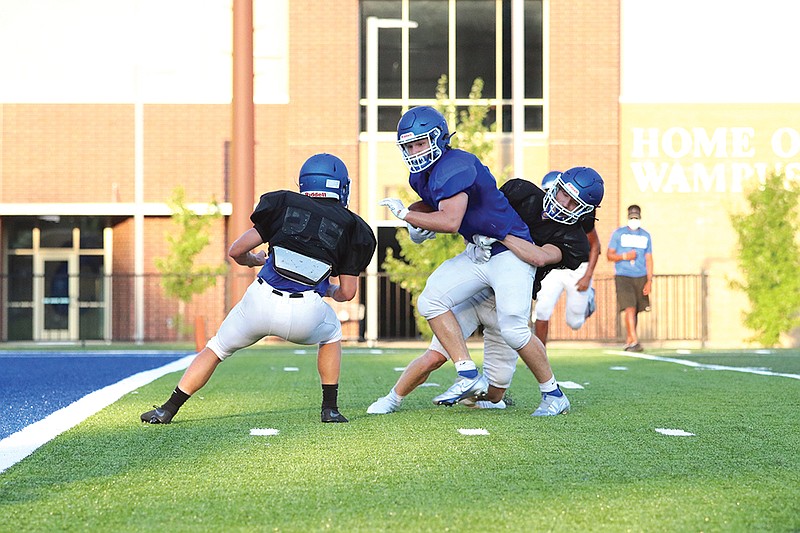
<point>602,467</point>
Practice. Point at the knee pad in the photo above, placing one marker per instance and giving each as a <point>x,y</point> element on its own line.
<point>575,321</point>
<point>429,307</point>
<point>516,337</point>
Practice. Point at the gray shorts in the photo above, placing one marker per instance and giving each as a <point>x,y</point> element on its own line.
<point>629,293</point>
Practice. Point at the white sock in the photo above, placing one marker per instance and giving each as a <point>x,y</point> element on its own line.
<point>466,364</point>
<point>548,386</point>
<point>394,397</point>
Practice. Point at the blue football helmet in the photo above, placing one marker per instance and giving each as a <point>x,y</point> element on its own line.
<point>325,176</point>
<point>549,179</point>
<point>582,184</point>
<point>422,122</point>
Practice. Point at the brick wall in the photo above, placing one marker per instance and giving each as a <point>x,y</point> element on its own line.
<point>584,98</point>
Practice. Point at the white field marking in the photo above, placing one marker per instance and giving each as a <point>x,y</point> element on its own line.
<point>763,352</point>
<point>291,369</point>
<point>746,370</point>
<point>300,352</point>
<point>24,442</point>
<point>264,432</point>
<point>427,384</point>
<point>674,432</point>
<point>618,368</point>
<point>683,352</point>
<point>399,368</point>
<point>477,431</point>
<point>569,385</point>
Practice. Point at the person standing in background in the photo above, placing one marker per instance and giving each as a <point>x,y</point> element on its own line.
<point>631,250</point>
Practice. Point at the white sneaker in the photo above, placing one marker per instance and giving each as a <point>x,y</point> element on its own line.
<point>383,406</point>
<point>463,388</point>
<point>591,303</point>
<point>486,404</point>
<point>552,405</point>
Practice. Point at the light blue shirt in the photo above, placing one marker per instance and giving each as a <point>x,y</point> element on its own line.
<point>624,240</point>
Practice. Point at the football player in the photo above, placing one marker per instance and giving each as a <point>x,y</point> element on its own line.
<point>459,194</point>
<point>576,283</point>
<point>552,218</point>
<point>312,237</point>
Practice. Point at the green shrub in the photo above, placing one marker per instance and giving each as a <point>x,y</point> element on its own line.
<point>769,258</point>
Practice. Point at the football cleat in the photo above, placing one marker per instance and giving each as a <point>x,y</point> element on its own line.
<point>382,406</point>
<point>552,405</point>
<point>462,389</point>
<point>157,416</point>
<point>591,304</point>
<point>486,404</point>
<point>634,348</point>
<point>332,415</point>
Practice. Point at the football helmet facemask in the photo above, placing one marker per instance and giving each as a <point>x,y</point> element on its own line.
<point>422,122</point>
<point>582,184</point>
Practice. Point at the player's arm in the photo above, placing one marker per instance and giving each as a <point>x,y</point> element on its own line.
<point>594,255</point>
<point>447,219</point>
<point>613,256</point>
<point>648,261</point>
<point>537,256</point>
<point>345,290</point>
<point>241,249</point>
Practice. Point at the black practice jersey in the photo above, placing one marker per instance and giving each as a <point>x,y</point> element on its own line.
<point>528,200</point>
<point>321,228</point>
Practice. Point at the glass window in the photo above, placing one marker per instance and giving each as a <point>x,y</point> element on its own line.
<point>534,52</point>
<point>91,278</point>
<point>427,46</point>
<point>92,232</point>
<point>91,323</point>
<point>20,278</point>
<point>20,324</point>
<point>20,232</point>
<point>476,42</point>
<point>475,46</point>
<point>55,232</point>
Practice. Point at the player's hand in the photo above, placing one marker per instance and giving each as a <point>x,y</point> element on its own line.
<point>330,290</point>
<point>258,258</point>
<point>477,254</point>
<point>483,241</point>
<point>419,235</point>
<point>396,206</point>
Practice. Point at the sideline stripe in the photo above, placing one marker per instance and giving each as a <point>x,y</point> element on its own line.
<point>702,365</point>
<point>21,444</point>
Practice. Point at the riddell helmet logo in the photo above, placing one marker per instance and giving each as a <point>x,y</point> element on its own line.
<point>314,194</point>
<point>408,135</point>
<point>572,190</point>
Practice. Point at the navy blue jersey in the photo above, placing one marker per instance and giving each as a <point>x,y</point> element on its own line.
<point>488,211</point>
<point>321,228</point>
<point>528,199</point>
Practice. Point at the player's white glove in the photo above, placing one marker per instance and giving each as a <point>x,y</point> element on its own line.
<point>419,235</point>
<point>331,289</point>
<point>480,249</point>
<point>477,254</point>
<point>483,241</point>
<point>396,206</point>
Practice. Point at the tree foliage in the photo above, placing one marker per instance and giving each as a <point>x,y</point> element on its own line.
<point>182,277</point>
<point>418,261</point>
<point>769,258</point>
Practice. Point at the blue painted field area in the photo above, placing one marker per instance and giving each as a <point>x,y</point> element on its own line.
<point>35,384</point>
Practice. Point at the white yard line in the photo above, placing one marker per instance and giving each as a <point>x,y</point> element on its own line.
<point>694,364</point>
<point>21,444</point>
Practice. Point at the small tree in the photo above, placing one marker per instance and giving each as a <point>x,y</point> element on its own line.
<point>418,261</point>
<point>181,276</point>
<point>769,258</point>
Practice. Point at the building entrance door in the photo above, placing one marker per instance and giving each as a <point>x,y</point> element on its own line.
<point>55,297</point>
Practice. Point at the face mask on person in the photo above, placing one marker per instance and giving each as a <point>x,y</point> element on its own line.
<point>634,223</point>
